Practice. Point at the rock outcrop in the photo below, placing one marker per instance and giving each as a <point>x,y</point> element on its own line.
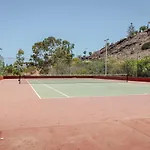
<point>130,47</point>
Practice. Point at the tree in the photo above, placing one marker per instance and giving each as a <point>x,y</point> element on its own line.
<point>42,54</point>
<point>90,53</point>
<point>143,67</point>
<point>10,70</point>
<point>143,28</point>
<point>115,66</point>
<point>84,52</point>
<point>130,67</point>
<point>13,69</point>
<point>131,30</point>
<point>1,65</point>
<point>108,44</point>
<point>20,57</point>
<point>19,62</point>
<point>50,53</point>
<point>62,57</point>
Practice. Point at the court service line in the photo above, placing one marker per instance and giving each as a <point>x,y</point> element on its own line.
<point>34,90</point>
<point>54,89</point>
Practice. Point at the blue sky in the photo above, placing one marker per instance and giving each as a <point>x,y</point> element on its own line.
<point>85,23</point>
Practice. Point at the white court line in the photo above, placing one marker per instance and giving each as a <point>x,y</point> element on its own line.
<point>85,97</point>
<point>34,90</point>
<point>55,90</point>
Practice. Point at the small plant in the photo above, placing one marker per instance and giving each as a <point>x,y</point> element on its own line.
<point>146,46</point>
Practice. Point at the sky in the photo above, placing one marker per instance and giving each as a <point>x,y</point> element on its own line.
<point>85,23</point>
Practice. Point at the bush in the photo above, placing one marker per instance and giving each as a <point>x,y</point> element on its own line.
<point>144,67</point>
<point>146,46</point>
<point>143,28</point>
<point>130,67</point>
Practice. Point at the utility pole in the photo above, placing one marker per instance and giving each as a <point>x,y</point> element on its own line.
<point>0,49</point>
<point>137,58</point>
<point>1,63</point>
<point>106,41</point>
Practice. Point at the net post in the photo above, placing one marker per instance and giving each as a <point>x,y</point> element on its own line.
<point>127,77</point>
<point>19,67</point>
<point>19,79</point>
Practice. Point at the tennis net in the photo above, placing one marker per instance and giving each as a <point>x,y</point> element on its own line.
<point>69,79</point>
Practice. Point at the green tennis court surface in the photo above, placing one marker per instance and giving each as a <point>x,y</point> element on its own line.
<point>68,88</point>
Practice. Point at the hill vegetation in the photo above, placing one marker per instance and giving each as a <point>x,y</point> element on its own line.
<point>53,56</point>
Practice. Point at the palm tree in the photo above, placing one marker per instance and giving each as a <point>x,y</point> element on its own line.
<point>90,53</point>
<point>84,53</point>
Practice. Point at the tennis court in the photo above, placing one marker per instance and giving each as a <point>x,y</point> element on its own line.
<point>74,114</point>
<point>72,88</point>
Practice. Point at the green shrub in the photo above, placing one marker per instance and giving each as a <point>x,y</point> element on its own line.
<point>143,28</point>
<point>143,67</point>
<point>146,46</point>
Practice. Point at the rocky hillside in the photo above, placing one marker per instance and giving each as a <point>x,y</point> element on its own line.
<point>130,47</point>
